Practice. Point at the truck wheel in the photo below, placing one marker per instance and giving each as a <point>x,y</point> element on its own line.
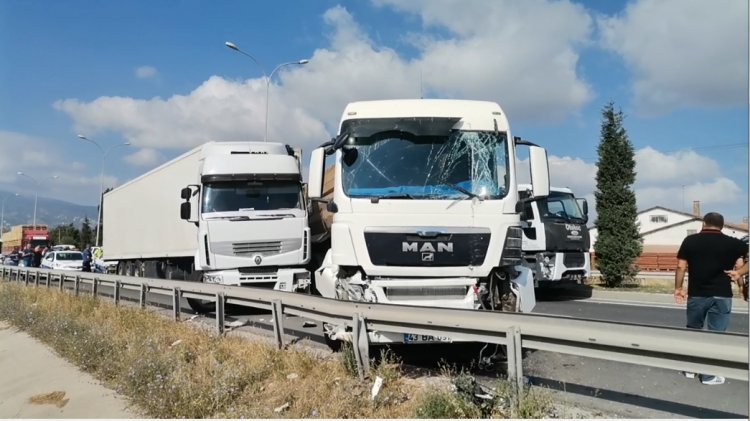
<point>201,306</point>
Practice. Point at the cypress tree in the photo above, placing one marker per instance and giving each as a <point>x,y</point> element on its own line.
<point>618,243</point>
<point>87,235</point>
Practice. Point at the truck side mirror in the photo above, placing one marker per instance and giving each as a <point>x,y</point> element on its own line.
<point>185,211</point>
<point>539,171</point>
<point>315,177</point>
<point>584,205</point>
<point>189,208</point>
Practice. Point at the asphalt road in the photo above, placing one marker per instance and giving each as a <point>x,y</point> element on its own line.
<point>614,389</point>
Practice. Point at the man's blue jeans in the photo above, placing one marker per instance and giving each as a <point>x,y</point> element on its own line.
<point>713,311</point>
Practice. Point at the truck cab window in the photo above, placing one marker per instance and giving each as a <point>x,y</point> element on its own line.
<point>235,196</point>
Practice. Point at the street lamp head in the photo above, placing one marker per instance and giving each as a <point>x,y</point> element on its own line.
<point>126,144</point>
<point>82,137</point>
<point>232,46</point>
<point>303,61</point>
<point>20,173</point>
<point>55,177</point>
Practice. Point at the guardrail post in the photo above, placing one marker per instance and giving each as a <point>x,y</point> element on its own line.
<point>76,285</point>
<point>515,368</point>
<point>219,313</point>
<point>36,279</point>
<point>117,293</point>
<point>95,287</point>
<point>49,279</point>
<point>361,345</point>
<point>278,325</point>
<point>176,295</point>
<point>61,285</point>
<point>26,278</point>
<point>142,297</point>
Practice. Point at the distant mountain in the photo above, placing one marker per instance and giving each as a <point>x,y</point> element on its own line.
<point>50,212</point>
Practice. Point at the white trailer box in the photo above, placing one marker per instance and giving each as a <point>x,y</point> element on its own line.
<point>142,217</point>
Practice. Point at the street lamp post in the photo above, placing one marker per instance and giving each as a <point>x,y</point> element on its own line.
<point>36,191</point>
<point>267,78</point>
<point>101,178</point>
<point>2,215</point>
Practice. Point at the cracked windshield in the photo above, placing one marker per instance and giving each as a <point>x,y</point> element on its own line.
<point>398,164</point>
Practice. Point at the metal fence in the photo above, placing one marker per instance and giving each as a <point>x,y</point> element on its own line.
<point>724,354</point>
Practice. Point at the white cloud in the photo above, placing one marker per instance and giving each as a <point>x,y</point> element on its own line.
<point>217,110</point>
<point>146,157</point>
<point>659,181</point>
<point>682,52</point>
<point>40,158</point>
<point>529,69</point>
<point>673,169</point>
<point>520,54</point>
<point>146,72</point>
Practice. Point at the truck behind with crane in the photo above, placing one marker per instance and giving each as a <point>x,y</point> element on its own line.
<point>555,236</point>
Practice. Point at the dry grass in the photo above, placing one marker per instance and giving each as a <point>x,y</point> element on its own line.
<point>56,398</point>
<point>173,370</point>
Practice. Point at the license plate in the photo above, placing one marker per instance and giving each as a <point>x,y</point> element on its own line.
<point>411,338</point>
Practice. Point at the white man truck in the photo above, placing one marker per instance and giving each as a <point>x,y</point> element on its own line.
<point>229,213</point>
<point>425,209</point>
<point>555,236</point>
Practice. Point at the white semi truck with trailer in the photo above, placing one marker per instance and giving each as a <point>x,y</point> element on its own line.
<point>556,239</point>
<point>228,213</point>
<point>425,209</point>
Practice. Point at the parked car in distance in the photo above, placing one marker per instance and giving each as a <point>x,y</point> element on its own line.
<point>63,247</point>
<point>63,260</point>
<point>11,259</point>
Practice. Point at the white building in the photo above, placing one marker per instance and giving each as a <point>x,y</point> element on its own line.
<point>664,229</point>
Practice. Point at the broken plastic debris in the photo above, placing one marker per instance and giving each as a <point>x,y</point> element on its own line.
<point>236,323</point>
<point>292,376</point>
<point>175,343</point>
<point>281,408</point>
<point>194,317</point>
<point>376,387</point>
<point>309,323</point>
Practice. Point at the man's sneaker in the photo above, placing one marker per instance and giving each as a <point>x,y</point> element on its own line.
<point>712,380</point>
<point>688,374</point>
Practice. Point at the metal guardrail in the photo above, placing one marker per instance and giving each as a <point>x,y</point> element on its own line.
<point>724,354</point>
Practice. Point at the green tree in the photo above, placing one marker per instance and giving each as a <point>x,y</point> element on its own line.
<point>87,235</point>
<point>65,234</point>
<point>618,243</point>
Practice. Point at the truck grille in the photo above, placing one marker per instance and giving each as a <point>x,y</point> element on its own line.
<point>439,249</point>
<point>574,260</point>
<point>256,248</point>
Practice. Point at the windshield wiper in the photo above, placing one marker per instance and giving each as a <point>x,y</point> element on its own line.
<point>376,199</point>
<point>464,191</point>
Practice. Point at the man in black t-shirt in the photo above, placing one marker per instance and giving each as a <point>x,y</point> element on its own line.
<point>709,257</point>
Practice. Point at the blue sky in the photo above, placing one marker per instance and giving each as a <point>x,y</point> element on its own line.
<point>157,74</point>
